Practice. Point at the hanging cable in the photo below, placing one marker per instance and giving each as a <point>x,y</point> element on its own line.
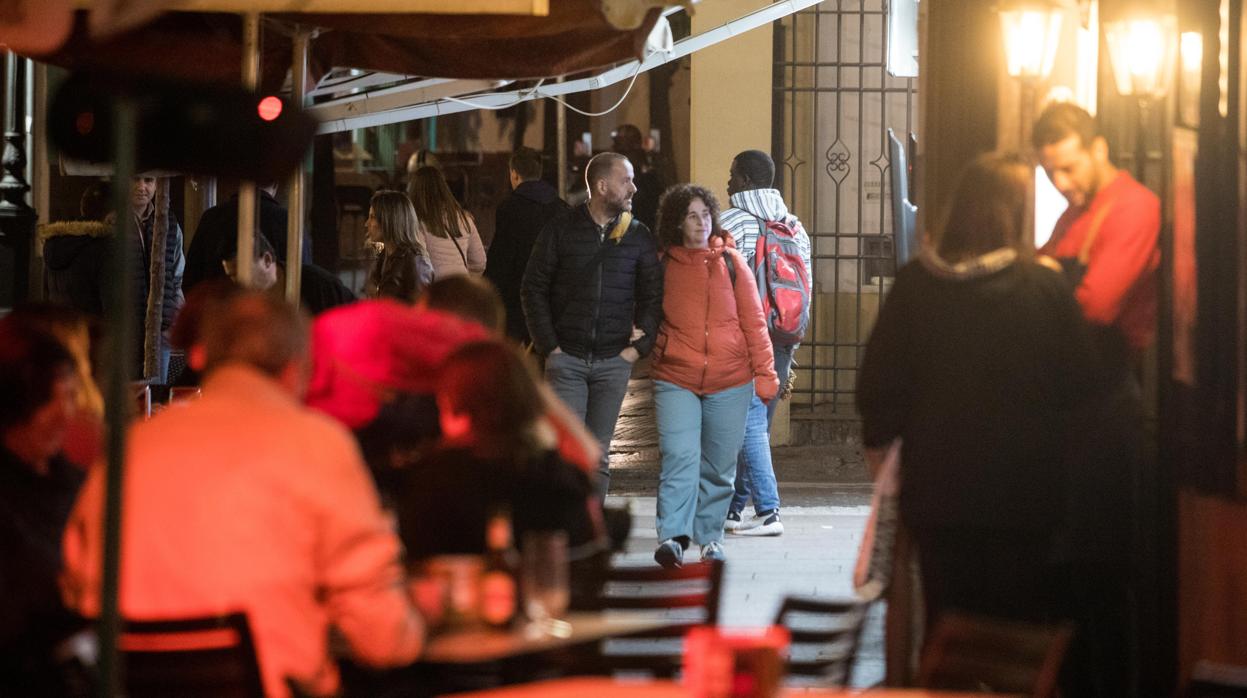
<point>520,97</point>
<point>613,107</point>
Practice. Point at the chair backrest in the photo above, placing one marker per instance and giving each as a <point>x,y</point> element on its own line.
<point>971,653</point>
<point>688,596</point>
<point>1215,680</point>
<point>193,657</point>
<point>824,634</point>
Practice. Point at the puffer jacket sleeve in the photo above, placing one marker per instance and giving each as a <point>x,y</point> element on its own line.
<point>535,290</point>
<point>753,326</point>
<point>649,280</point>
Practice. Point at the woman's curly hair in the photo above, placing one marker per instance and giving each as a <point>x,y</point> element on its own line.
<point>672,208</point>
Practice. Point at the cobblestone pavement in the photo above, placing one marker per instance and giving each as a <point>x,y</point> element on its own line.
<point>826,498</point>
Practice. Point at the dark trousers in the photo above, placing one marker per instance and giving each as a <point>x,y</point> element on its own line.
<point>990,572</point>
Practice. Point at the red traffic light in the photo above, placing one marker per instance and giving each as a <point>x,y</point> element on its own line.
<point>269,108</point>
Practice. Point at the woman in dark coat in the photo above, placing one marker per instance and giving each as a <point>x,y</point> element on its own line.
<point>402,270</point>
<point>977,360</point>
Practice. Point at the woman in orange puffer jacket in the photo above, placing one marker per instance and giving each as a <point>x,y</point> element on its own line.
<point>712,352</point>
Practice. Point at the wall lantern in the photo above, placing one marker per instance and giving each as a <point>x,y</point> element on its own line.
<point>1031,31</point>
<point>1142,51</point>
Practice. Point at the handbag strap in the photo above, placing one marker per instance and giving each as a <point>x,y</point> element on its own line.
<point>459,249</point>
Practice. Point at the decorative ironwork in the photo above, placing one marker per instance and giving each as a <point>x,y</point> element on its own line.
<point>833,104</point>
<point>838,162</point>
<point>17,218</point>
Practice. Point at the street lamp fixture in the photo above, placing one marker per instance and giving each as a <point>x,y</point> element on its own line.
<point>1031,32</point>
<point>1142,52</point>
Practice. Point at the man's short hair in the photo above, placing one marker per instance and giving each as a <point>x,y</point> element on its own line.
<point>526,163</point>
<point>256,329</point>
<point>757,166</point>
<point>600,167</point>
<point>470,297</point>
<point>1059,121</point>
<point>259,246</point>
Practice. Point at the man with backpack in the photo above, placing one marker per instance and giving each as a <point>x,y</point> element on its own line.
<point>777,248</point>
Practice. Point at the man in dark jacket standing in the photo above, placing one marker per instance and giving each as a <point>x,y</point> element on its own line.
<point>592,279</point>
<point>218,232</point>
<point>518,219</point>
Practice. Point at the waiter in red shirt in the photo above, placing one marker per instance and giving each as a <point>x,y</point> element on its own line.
<point>1106,243</point>
<point>1106,239</point>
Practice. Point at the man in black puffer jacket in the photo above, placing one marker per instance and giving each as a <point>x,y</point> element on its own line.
<point>593,278</point>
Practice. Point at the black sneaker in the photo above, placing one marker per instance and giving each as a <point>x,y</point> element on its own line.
<point>764,524</point>
<point>733,521</point>
<point>669,554</point>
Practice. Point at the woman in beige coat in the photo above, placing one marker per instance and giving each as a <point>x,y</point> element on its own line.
<point>447,231</point>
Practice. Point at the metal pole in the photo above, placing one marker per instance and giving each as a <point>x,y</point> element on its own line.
<point>244,261</point>
<point>560,121</point>
<point>17,218</point>
<point>117,393</point>
<point>297,204</point>
<point>1140,140</point>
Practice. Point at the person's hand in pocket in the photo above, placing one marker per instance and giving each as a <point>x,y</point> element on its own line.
<point>630,355</point>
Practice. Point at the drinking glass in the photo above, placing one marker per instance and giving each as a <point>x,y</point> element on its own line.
<point>543,579</point>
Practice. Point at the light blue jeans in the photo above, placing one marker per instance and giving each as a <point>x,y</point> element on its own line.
<point>593,390</point>
<point>699,437</point>
<point>755,474</point>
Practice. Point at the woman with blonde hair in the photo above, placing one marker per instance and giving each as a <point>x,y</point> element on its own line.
<point>402,270</point>
<point>447,231</point>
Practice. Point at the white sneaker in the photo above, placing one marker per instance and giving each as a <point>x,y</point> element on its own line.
<point>733,522</point>
<point>758,526</point>
<point>712,551</point>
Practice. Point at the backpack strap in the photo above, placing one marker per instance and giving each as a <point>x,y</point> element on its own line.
<point>1097,222</point>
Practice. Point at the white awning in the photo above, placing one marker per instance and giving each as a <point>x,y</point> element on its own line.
<point>379,99</point>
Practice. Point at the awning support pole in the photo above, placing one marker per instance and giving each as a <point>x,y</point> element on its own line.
<point>560,128</point>
<point>245,259</point>
<point>117,402</point>
<point>297,204</point>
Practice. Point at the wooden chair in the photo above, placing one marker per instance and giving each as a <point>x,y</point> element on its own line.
<point>825,636</point>
<point>191,658</point>
<point>969,653</point>
<point>688,595</point>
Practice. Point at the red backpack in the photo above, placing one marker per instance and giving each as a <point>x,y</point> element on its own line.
<point>783,282</point>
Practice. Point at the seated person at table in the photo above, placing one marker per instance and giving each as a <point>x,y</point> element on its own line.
<point>37,489</point>
<point>319,289</point>
<point>245,500</point>
<point>475,299</point>
<point>491,455</point>
<point>469,297</point>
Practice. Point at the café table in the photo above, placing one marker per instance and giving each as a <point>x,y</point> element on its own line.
<point>476,646</point>
<point>604,687</point>
<point>469,658</point>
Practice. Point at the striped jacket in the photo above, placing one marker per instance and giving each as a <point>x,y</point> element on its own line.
<point>741,220</point>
